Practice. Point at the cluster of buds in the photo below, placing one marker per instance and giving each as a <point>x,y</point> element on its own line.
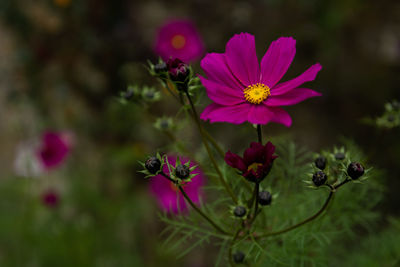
<point>336,162</point>
<point>174,70</point>
<point>145,94</point>
<point>180,172</point>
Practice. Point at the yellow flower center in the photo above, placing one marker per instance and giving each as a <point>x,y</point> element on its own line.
<point>254,166</point>
<point>256,93</point>
<point>178,41</point>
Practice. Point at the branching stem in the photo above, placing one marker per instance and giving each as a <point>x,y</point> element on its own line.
<point>197,209</point>
<point>320,211</point>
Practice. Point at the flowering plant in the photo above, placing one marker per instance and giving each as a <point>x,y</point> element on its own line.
<point>246,218</point>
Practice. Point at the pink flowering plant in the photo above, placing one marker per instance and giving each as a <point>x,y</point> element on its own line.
<point>247,204</point>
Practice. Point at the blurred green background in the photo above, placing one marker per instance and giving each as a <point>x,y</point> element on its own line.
<point>64,62</point>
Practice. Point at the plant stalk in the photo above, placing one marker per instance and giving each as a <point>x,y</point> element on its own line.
<point>197,209</point>
<point>211,156</point>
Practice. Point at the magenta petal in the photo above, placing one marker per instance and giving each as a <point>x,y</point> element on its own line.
<point>290,98</point>
<point>242,58</point>
<point>254,152</point>
<point>235,161</point>
<point>261,114</point>
<point>277,60</point>
<point>222,94</point>
<point>307,76</point>
<point>216,69</point>
<point>232,114</point>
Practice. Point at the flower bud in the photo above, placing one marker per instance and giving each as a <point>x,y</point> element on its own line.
<point>264,198</point>
<point>395,105</point>
<point>153,165</point>
<point>319,178</point>
<point>160,67</point>
<point>238,257</point>
<point>182,171</point>
<point>320,162</point>
<point>128,94</point>
<point>178,70</point>
<point>239,211</point>
<point>355,170</point>
<point>340,156</point>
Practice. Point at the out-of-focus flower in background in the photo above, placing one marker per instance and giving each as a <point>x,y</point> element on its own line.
<point>179,39</point>
<point>168,195</point>
<point>62,3</point>
<point>243,90</point>
<point>53,150</point>
<point>50,198</point>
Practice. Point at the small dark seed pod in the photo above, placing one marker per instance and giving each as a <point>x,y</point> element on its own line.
<point>264,198</point>
<point>182,171</point>
<point>340,156</point>
<point>319,178</point>
<point>320,162</point>
<point>153,165</point>
<point>239,211</point>
<point>355,170</point>
<point>238,257</point>
<point>160,67</point>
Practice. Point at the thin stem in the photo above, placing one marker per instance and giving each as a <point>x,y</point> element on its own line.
<point>214,143</point>
<point>211,156</point>
<point>231,246</point>
<point>257,189</point>
<point>194,205</point>
<point>201,212</point>
<point>251,200</point>
<point>169,178</point>
<point>342,183</point>
<point>259,133</point>
<point>332,191</point>
<point>165,84</point>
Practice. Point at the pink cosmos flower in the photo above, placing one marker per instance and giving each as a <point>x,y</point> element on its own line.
<point>179,39</point>
<point>244,90</point>
<point>53,150</point>
<point>168,195</point>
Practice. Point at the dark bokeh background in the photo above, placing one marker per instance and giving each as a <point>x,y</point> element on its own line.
<point>63,62</point>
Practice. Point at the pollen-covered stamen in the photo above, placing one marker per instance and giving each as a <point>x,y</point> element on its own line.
<point>256,93</point>
<point>254,166</point>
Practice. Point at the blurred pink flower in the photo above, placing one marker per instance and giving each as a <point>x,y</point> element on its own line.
<point>179,39</point>
<point>244,90</point>
<point>50,198</point>
<point>168,195</point>
<point>53,150</point>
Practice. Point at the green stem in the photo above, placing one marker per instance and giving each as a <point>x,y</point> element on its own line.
<point>202,213</point>
<point>342,183</point>
<point>219,229</point>
<point>257,191</point>
<point>165,84</point>
<point>213,142</point>
<point>330,197</point>
<point>259,133</point>
<point>211,156</point>
<point>231,246</point>
<point>250,202</point>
